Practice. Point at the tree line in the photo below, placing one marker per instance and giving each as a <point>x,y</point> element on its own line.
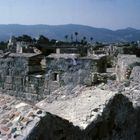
<point>68,39</point>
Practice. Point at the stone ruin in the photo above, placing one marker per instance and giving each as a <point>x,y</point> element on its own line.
<point>17,75</point>
<point>22,75</point>
<point>125,65</point>
<point>67,99</point>
<point>16,46</point>
<point>71,69</point>
<point>94,114</point>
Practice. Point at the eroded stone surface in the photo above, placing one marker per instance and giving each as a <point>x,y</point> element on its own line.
<point>81,110</point>
<point>100,114</point>
<point>125,65</point>
<point>17,119</point>
<point>108,111</point>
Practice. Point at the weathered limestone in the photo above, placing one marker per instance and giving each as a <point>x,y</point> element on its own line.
<point>21,121</point>
<point>79,110</point>
<point>93,114</point>
<point>18,76</point>
<point>125,65</point>
<point>67,69</point>
<point>22,75</point>
<point>98,113</point>
<point>18,119</point>
<point>20,64</point>
<point>16,46</point>
<point>80,107</point>
<point>135,74</point>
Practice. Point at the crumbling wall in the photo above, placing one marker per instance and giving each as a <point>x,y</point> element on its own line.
<point>21,121</point>
<point>28,88</point>
<point>118,120</point>
<point>135,74</point>
<point>17,77</point>
<point>125,64</point>
<point>21,75</point>
<point>52,127</point>
<point>74,70</point>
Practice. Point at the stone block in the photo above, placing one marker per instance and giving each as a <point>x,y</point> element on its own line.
<point>17,87</point>
<point>8,86</point>
<point>9,79</point>
<point>32,89</point>
<point>125,65</point>
<point>30,97</point>
<point>135,74</point>
<point>18,80</point>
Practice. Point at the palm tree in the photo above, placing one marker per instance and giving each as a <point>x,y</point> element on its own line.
<point>71,37</point>
<point>66,37</point>
<point>76,34</point>
<point>91,39</point>
<point>84,38</point>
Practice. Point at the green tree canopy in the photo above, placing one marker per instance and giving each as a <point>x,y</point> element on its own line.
<point>43,40</point>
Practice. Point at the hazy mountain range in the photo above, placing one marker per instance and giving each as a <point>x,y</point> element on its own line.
<point>59,31</point>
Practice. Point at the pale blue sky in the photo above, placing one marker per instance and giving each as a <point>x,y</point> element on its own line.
<point>113,14</point>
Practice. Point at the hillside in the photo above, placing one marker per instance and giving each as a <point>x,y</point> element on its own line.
<point>59,31</point>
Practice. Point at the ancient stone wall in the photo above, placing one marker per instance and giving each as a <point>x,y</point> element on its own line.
<point>118,121</point>
<point>135,74</point>
<point>111,117</point>
<point>29,88</point>
<point>21,121</point>
<point>21,75</point>
<point>17,77</point>
<point>52,127</point>
<point>125,64</point>
<point>71,70</point>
